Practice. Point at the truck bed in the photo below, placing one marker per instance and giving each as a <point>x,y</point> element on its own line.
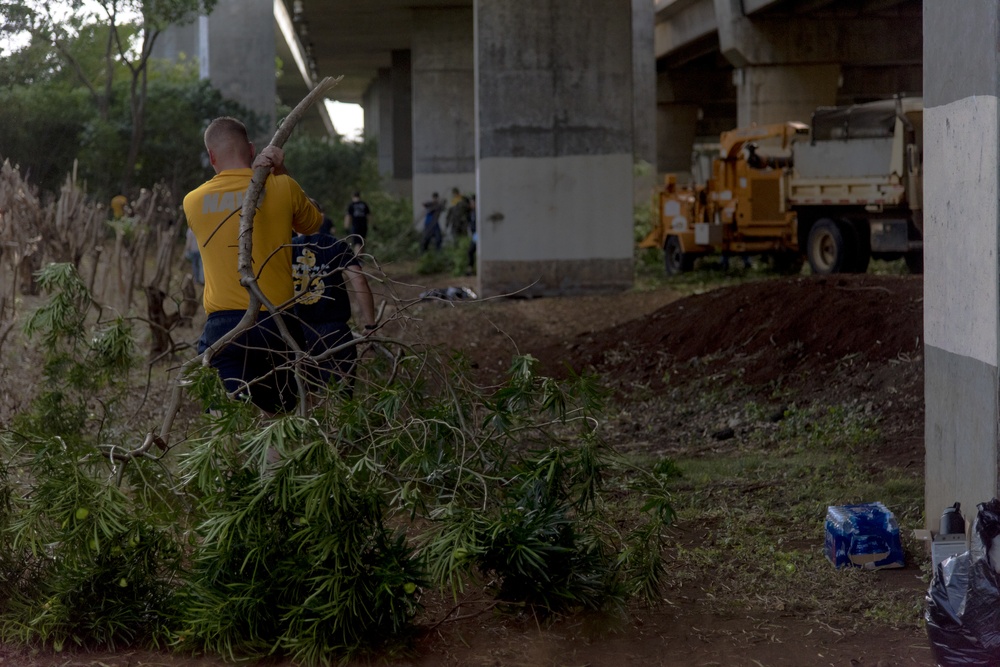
<point>845,192</point>
<point>857,158</point>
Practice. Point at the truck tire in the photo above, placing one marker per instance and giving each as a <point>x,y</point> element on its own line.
<point>915,261</point>
<point>827,250</point>
<point>675,260</point>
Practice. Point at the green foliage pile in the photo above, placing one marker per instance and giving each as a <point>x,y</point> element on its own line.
<point>87,551</point>
<point>312,537</point>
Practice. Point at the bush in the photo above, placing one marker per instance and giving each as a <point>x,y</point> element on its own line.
<point>393,236</point>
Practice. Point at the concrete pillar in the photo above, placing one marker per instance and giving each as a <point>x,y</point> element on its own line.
<point>683,94</point>
<point>675,128</point>
<point>644,81</point>
<point>961,237</point>
<point>402,113</point>
<point>444,154</point>
<point>555,141</point>
<point>778,93</point>
<point>377,104</point>
<point>391,134</point>
<point>244,75</point>
<point>644,117</point>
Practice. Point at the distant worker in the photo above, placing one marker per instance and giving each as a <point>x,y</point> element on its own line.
<point>458,214</point>
<point>328,279</point>
<point>118,203</point>
<point>255,363</point>
<point>432,228</point>
<point>356,220</point>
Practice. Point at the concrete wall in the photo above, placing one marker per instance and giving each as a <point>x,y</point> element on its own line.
<point>779,93</point>
<point>233,26</point>
<point>444,154</point>
<point>644,81</point>
<point>402,109</point>
<point>377,106</point>
<point>962,235</point>
<point>242,74</point>
<point>644,117</point>
<point>555,143</point>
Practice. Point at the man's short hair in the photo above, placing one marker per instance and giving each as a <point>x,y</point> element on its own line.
<point>356,194</point>
<point>226,133</point>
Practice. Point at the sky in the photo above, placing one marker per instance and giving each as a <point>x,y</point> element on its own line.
<point>348,119</point>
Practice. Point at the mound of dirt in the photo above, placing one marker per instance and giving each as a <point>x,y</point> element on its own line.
<point>787,330</point>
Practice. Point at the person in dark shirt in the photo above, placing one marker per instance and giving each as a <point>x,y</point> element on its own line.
<point>356,220</point>
<point>328,278</point>
<point>432,229</point>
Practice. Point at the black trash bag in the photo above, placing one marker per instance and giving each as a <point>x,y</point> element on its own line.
<point>963,602</point>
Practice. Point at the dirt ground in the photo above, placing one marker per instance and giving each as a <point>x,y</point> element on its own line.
<point>844,337</point>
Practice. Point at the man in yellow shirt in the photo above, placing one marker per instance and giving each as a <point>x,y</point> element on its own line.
<point>255,363</point>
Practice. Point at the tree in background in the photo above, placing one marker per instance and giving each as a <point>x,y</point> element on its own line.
<point>330,169</point>
<point>123,39</point>
<point>45,126</point>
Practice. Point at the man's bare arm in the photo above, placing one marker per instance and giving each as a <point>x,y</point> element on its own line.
<point>361,295</point>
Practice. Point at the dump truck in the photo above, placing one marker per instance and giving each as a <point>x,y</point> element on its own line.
<point>837,192</point>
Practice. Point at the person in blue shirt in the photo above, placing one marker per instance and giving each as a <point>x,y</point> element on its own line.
<point>432,229</point>
<point>328,278</point>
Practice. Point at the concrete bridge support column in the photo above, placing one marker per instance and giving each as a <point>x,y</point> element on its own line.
<point>219,41</point>
<point>644,106</point>
<point>554,122</point>
<point>675,126</point>
<point>678,92</point>
<point>777,93</point>
<point>382,109</point>
<point>961,238</point>
<point>401,84</point>
<point>377,105</point>
<point>444,153</point>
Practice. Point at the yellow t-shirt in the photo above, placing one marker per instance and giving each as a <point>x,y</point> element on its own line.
<point>283,208</point>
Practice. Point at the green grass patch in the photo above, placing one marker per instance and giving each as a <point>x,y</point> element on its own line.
<point>752,519</point>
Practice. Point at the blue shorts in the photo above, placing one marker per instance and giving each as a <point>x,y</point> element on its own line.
<point>320,337</point>
<point>258,363</point>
